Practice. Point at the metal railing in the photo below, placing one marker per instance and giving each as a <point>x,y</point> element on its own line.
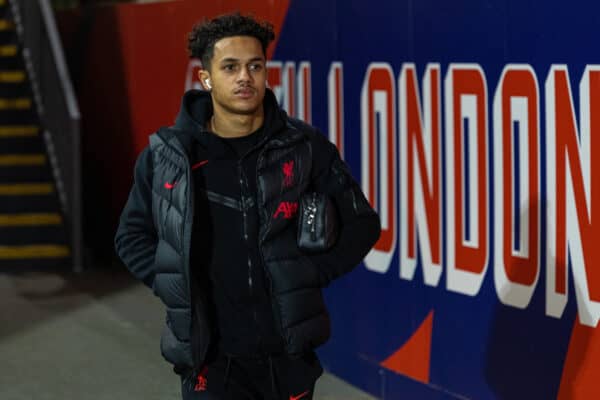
<point>57,108</point>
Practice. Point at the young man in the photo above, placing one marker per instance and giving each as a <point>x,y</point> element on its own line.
<point>211,225</point>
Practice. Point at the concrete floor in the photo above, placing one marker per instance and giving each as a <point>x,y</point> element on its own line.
<point>92,336</point>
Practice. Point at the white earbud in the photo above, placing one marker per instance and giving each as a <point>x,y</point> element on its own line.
<point>207,82</point>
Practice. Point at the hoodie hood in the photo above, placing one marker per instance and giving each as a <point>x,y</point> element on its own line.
<point>196,109</point>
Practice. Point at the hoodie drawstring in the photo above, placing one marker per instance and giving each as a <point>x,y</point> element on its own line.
<point>227,368</point>
<point>273,382</point>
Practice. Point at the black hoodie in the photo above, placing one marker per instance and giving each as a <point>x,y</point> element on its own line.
<point>225,236</point>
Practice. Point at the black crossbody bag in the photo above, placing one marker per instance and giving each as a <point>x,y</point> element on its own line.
<point>317,222</point>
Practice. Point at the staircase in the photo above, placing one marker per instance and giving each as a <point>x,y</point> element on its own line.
<point>32,228</point>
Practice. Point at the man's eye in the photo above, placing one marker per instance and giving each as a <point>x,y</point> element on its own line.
<point>229,67</point>
<point>256,67</point>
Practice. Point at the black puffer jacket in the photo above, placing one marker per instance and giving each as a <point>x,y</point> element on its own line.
<point>154,234</point>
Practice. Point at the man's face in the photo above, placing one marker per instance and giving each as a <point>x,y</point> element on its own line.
<point>238,75</point>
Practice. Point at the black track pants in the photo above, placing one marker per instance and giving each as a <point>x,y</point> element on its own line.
<point>261,378</point>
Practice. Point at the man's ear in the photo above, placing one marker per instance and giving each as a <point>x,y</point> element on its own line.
<point>205,81</point>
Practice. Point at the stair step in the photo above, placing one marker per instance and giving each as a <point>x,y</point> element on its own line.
<point>19,103</point>
<point>10,57</point>
<point>29,204</point>
<point>21,145</point>
<point>26,189</point>
<point>8,37</point>
<point>10,160</point>
<point>6,25</point>
<point>24,174</point>
<point>12,131</point>
<point>34,251</point>
<point>8,34</point>
<point>22,103</point>
<point>31,219</point>
<point>15,90</point>
<point>12,63</point>
<point>9,50</point>
<point>16,235</point>
<point>5,13</point>
<point>18,266</point>
<point>12,76</point>
<point>19,117</point>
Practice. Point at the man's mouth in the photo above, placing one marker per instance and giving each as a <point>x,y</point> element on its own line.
<point>244,92</point>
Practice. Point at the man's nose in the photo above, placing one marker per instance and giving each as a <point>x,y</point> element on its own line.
<point>244,74</point>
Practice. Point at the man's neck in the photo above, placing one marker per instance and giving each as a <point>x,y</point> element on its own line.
<point>230,125</point>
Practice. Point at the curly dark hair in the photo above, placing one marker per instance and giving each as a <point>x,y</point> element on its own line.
<point>204,35</point>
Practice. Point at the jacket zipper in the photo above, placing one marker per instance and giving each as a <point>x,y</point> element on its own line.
<point>245,230</point>
<point>274,310</point>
